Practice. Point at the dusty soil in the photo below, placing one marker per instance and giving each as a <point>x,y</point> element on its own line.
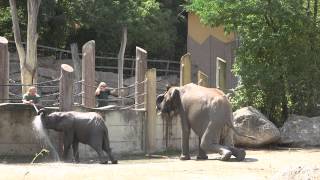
<point>259,164</point>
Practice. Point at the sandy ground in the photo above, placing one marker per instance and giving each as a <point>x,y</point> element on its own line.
<point>259,164</point>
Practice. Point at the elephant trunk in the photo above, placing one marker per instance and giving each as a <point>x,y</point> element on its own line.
<point>159,101</point>
<point>43,116</point>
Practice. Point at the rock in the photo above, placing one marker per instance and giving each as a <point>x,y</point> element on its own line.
<point>301,131</point>
<point>250,121</point>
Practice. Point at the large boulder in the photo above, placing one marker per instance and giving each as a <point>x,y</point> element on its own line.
<point>301,131</point>
<point>250,121</point>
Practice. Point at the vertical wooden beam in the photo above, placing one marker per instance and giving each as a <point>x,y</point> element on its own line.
<point>4,70</point>
<point>185,69</point>
<point>88,74</point>
<point>203,79</point>
<point>77,70</point>
<point>66,96</point>
<point>141,67</point>
<point>121,61</point>
<point>150,106</point>
<point>66,88</point>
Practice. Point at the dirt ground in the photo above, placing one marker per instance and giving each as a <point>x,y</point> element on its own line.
<point>259,164</point>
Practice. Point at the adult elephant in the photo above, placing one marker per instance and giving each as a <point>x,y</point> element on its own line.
<point>85,127</point>
<point>208,113</point>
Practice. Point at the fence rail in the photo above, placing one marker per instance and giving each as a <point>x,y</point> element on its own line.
<point>108,63</point>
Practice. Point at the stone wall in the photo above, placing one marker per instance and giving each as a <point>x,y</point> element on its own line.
<point>126,132</point>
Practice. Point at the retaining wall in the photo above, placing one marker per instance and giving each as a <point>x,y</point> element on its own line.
<point>126,132</point>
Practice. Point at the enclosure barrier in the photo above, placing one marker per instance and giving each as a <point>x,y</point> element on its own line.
<point>203,79</point>
<point>88,73</point>
<point>4,69</point>
<point>150,106</point>
<point>185,69</point>
<point>141,67</point>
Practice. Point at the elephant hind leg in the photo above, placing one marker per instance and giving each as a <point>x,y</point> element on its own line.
<point>96,144</point>
<point>227,140</point>
<point>107,149</point>
<point>202,154</point>
<point>100,154</point>
<point>210,141</point>
<point>75,148</point>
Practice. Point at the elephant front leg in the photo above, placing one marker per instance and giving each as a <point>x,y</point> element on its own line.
<point>67,140</point>
<point>185,155</point>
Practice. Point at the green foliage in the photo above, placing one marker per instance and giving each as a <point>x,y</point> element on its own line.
<point>152,25</point>
<point>277,58</point>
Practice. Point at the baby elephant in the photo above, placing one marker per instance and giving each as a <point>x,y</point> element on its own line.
<point>85,127</point>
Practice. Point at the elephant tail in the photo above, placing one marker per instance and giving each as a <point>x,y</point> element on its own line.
<point>230,124</point>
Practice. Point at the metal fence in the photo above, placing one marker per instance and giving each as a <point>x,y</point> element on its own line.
<point>107,63</point>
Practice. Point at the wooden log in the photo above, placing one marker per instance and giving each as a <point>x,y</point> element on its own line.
<point>66,96</point>
<point>66,88</point>
<point>121,61</point>
<point>4,70</point>
<point>185,69</point>
<point>77,71</point>
<point>88,74</point>
<point>141,68</point>
<point>203,79</point>
<point>150,99</point>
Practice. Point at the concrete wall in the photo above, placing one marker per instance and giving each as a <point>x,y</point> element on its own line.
<point>126,132</point>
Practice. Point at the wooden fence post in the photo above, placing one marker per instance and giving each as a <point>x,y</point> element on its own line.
<point>185,69</point>
<point>4,70</point>
<point>66,88</point>
<point>141,67</point>
<point>77,71</point>
<point>88,74</point>
<point>202,79</point>
<point>150,106</point>
<point>66,97</point>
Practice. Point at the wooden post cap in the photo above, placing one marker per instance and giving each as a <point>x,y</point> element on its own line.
<point>3,40</point>
<point>66,67</point>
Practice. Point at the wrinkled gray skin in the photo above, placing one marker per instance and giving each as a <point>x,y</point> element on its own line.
<point>208,113</point>
<point>87,128</point>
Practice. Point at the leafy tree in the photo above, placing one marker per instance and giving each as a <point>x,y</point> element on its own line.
<point>153,25</point>
<point>277,58</point>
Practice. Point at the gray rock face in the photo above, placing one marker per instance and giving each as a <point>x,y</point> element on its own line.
<point>301,131</point>
<point>250,121</point>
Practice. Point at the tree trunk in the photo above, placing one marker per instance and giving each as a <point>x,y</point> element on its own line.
<point>17,38</point>
<point>32,38</point>
<point>28,63</point>
<point>121,59</point>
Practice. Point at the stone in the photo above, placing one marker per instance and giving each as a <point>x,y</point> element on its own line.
<point>249,121</point>
<point>301,131</point>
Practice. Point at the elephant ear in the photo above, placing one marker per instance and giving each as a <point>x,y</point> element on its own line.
<point>175,96</point>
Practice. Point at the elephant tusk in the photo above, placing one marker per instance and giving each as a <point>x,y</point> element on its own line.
<point>159,113</point>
